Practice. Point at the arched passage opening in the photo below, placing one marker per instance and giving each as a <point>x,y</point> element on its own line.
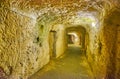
<point>74,38</point>
<point>79,37</point>
<point>76,35</point>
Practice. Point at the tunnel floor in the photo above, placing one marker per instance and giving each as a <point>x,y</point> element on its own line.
<point>72,65</point>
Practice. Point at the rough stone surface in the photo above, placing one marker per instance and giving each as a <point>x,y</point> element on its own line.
<point>25,41</point>
<point>20,55</point>
<point>61,42</point>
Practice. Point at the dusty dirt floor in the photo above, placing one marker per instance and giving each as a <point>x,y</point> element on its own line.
<point>72,65</point>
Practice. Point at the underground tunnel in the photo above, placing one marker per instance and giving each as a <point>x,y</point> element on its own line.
<point>59,39</point>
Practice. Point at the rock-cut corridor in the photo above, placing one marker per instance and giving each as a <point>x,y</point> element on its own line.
<point>72,65</point>
<point>59,39</point>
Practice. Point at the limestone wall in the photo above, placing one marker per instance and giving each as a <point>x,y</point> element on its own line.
<point>107,55</point>
<point>24,42</point>
<point>61,41</point>
<point>118,54</point>
<point>20,54</point>
<point>111,38</point>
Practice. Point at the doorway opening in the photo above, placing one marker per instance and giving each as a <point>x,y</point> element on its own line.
<point>52,43</point>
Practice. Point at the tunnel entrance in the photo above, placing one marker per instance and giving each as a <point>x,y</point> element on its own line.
<point>76,36</point>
